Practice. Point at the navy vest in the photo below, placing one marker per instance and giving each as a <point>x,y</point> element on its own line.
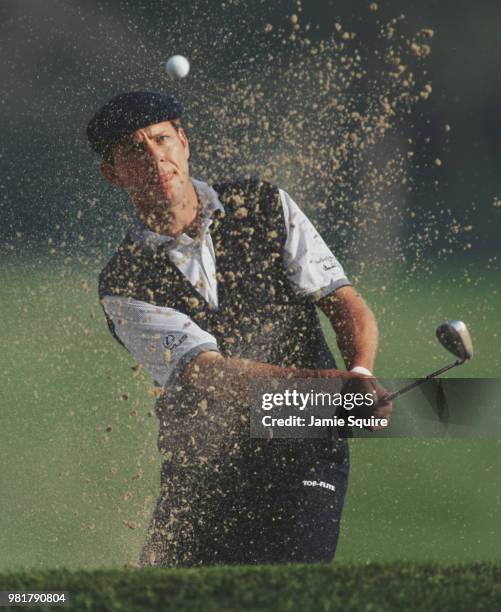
<point>259,315</point>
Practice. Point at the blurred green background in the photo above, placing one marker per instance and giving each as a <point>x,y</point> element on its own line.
<point>79,468</point>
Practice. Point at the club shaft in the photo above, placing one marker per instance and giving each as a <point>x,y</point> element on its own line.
<point>420,381</point>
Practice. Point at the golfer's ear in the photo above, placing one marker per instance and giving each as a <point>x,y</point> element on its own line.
<point>109,173</point>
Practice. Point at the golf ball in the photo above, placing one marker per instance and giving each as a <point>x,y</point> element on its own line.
<point>177,66</point>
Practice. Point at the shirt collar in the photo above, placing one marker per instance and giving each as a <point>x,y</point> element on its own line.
<point>210,202</point>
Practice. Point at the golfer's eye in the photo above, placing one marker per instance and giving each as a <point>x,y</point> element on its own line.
<point>163,138</point>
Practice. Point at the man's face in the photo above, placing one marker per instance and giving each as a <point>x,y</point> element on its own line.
<point>152,166</point>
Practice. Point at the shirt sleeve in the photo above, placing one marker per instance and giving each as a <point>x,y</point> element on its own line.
<point>162,339</point>
<point>311,266</point>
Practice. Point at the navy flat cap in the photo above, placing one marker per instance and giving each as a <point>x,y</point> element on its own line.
<point>127,113</point>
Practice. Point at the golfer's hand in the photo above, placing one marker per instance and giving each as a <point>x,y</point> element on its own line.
<point>382,407</point>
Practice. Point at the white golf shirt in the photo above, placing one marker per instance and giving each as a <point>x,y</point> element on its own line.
<point>163,339</point>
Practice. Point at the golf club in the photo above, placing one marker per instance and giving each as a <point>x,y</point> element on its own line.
<point>453,336</point>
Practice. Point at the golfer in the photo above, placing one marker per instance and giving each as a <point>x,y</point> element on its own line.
<point>212,287</point>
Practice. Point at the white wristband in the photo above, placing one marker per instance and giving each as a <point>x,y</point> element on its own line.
<point>361,370</point>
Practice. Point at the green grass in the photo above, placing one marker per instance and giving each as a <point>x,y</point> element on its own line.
<point>77,496</point>
<point>399,587</point>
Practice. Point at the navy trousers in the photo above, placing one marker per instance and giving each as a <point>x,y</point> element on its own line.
<point>280,504</point>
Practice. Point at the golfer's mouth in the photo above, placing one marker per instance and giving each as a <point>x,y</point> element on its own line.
<point>161,180</point>
<point>165,179</point>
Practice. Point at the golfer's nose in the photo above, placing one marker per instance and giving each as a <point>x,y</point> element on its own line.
<point>155,152</point>
<point>156,158</point>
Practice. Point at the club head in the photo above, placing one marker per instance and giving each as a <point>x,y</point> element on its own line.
<point>455,337</point>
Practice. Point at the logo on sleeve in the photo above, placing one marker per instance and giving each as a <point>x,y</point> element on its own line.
<point>328,263</point>
<point>326,268</point>
<point>170,342</point>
